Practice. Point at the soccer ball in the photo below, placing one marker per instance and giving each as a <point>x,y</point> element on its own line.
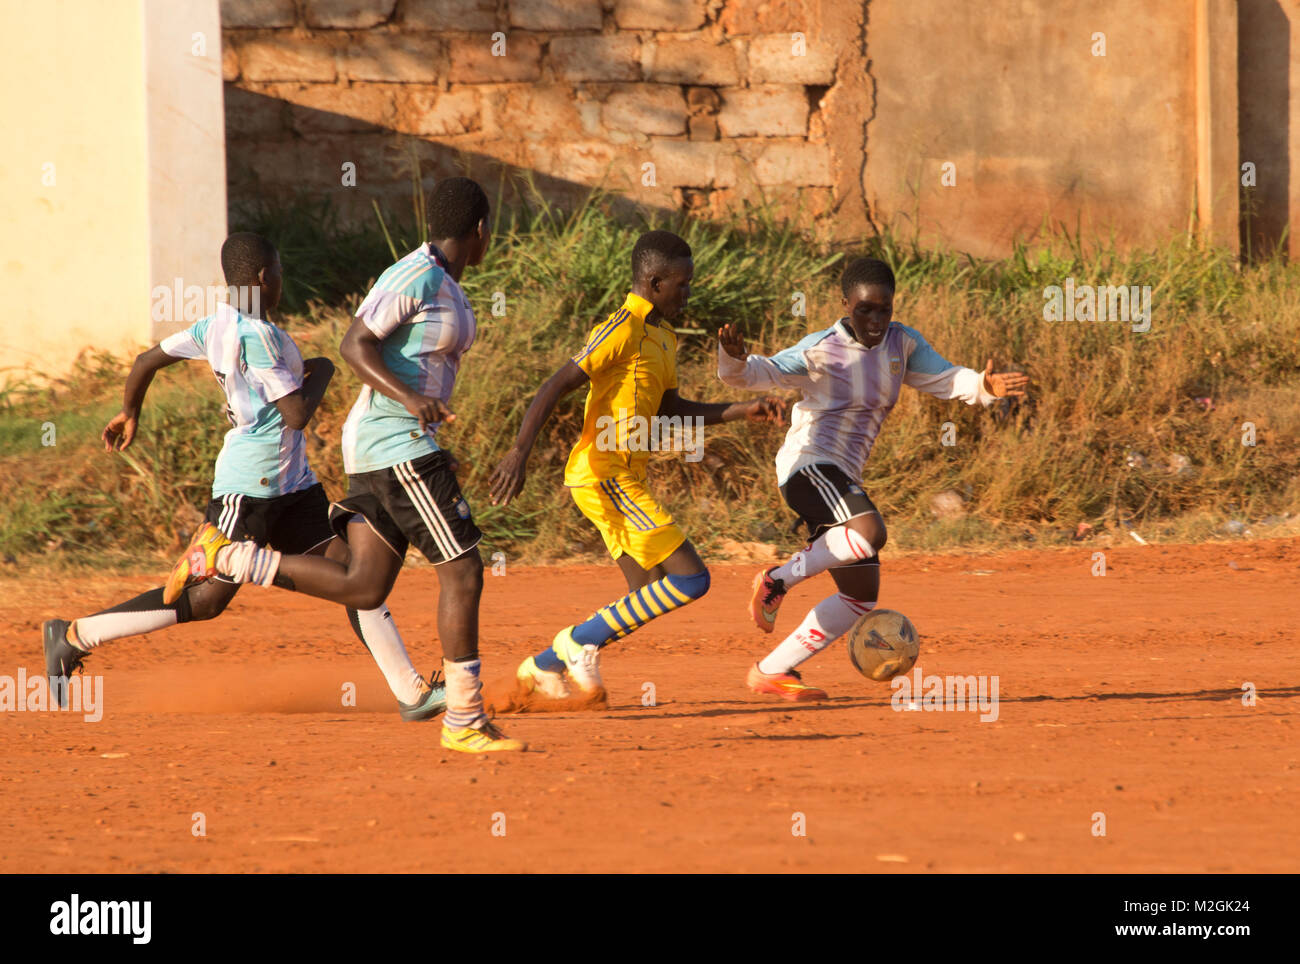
<point>883,644</point>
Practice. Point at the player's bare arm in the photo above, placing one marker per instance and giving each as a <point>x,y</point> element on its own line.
<point>298,407</point>
<point>509,476</point>
<point>360,349</point>
<point>120,431</point>
<point>766,409</point>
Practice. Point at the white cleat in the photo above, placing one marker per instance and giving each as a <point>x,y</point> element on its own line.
<point>533,679</point>
<point>582,662</point>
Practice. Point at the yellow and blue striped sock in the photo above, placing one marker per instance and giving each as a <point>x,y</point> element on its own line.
<point>630,613</point>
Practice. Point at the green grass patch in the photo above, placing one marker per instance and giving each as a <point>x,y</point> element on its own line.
<point>1112,436</point>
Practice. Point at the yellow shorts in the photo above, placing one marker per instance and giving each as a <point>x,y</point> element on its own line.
<point>629,519</point>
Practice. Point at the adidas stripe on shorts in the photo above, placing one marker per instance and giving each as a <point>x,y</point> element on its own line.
<point>414,503</point>
<point>823,495</point>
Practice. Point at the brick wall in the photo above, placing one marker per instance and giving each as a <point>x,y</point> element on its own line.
<point>722,99</point>
<point>970,124</point>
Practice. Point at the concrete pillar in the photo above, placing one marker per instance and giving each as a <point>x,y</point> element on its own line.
<point>113,178</point>
<point>1217,172</point>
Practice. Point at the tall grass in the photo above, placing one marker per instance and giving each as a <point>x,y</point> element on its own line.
<point>1111,417</point>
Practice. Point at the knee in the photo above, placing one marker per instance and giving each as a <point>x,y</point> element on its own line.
<point>463,576</point>
<point>368,597</point>
<point>693,586</point>
<point>872,528</point>
<point>200,603</point>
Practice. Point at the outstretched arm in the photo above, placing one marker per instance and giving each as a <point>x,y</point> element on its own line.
<point>758,410</point>
<point>120,431</point>
<point>786,369</point>
<point>508,478</point>
<point>930,372</point>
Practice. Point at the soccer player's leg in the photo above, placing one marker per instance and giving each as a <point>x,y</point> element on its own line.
<point>841,520</point>
<point>776,673</point>
<point>827,499</point>
<point>663,571</point>
<point>182,600</point>
<point>423,497</point>
<point>306,526</point>
<point>68,643</point>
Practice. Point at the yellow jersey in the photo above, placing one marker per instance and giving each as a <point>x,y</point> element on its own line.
<point>631,364</point>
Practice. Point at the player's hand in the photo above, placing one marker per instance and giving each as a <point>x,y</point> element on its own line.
<point>732,341</point>
<point>508,477</point>
<point>1004,384</point>
<point>430,411</point>
<point>120,432</point>
<point>768,409</point>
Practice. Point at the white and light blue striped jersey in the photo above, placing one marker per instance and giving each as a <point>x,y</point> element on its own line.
<point>256,363</point>
<point>425,325</point>
<point>848,389</point>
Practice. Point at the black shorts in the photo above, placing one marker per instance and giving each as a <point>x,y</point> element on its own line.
<point>415,503</point>
<point>823,496</point>
<point>293,523</point>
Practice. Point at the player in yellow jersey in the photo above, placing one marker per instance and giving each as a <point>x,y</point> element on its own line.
<point>630,366</point>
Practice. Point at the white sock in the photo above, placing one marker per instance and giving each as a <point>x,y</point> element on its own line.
<point>837,547</point>
<point>246,562</point>
<point>464,694</point>
<point>379,632</point>
<point>89,631</point>
<point>826,622</point>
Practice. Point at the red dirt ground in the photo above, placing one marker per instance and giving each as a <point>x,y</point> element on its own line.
<point>1119,694</point>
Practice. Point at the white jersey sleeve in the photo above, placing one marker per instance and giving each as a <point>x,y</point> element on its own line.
<point>786,369</point>
<point>928,371</point>
<point>190,343</point>
<point>270,369</point>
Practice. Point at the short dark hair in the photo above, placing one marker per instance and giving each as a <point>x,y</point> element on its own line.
<point>244,255</point>
<point>654,249</point>
<point>866,271</point>
<point>456,207</point>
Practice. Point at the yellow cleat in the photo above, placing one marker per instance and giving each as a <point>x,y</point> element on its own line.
<point>484,739</point>
<point>198,562</point>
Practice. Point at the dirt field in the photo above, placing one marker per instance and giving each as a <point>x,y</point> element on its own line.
<point>1119,695</point>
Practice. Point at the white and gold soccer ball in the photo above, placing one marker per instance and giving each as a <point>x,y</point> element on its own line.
<point>883,644</point>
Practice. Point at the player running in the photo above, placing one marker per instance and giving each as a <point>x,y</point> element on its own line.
<point>629,366</point>
<point>850,375</point>
<point>405,344</point>
<point>262,490</point>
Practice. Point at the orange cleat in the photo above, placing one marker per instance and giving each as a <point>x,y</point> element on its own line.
<point>198,562</point>
<point>788,685</point>
<point>768,594</point>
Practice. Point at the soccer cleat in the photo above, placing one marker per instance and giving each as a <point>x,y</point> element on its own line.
<point>768,594</point>
<point>62,659</point>
<point>429,705</point>
<point>481,739</point>
<point>582,662</point>
<point>533,679</point>
<point>788,685</point>
<point>198,562</point>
